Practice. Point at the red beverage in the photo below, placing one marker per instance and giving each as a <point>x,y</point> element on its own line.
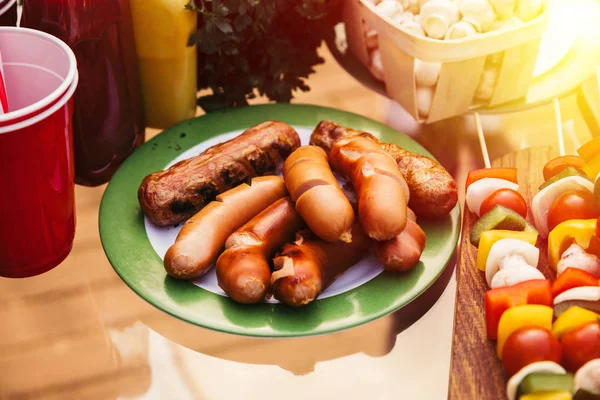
<point>8,13</point>
<point>108,121</point>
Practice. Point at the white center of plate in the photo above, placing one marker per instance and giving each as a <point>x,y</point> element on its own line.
<point>162,238</point>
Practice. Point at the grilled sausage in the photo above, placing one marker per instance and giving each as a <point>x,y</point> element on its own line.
<point>319,199</point>
<point>402,253</point>
<point>203,236</point>
<point>304,269</point>
<point>244,269</point>
<point>172,196</point>
<point>433,191</point>
<point>382,191</point>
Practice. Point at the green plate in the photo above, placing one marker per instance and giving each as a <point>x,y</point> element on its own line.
<point>131,253</point>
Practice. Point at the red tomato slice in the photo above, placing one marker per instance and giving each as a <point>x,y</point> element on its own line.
<point>505,197</point>
<point>558,164</point>
<point>509,174</point>
<point>528,345</point>
<point>581,345</point>
<point>577,204</point>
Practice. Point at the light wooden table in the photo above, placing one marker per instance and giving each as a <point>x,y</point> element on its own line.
<point>78,332</point>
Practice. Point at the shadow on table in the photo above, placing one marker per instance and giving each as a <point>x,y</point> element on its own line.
<point>300,355</point>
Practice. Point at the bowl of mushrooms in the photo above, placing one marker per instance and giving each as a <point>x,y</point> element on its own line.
<point>442,58</point>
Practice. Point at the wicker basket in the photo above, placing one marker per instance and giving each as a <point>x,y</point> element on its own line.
<point>462,61</point>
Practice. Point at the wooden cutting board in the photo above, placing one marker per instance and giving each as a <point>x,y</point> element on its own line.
<point>475,372</point>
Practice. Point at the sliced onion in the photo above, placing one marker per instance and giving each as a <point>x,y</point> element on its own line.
<point>543,200</point>
<point>478,191</point>
<point>547,367</point>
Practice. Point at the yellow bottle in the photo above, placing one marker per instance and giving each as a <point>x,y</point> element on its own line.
<point>168,67</point>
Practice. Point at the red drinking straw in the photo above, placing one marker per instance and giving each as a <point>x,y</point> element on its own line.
<point>3,98</point>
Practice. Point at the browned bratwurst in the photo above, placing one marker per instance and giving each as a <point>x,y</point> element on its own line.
<point>304,269</point>
<point>433,191</point>
<point>244,269</point>
<point>171,196</point>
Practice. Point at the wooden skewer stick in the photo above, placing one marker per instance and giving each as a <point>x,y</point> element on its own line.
<point>484,150</point>
<point>559,128</point>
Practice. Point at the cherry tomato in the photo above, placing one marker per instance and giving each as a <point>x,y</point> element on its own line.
<point>558,164</point>
<point>528,345</point>
<point>508,198</point>
<point>577,204</point>
<point>581,345</point>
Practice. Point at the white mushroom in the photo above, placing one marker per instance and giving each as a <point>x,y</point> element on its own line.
<point>437,16</point>
<point>403,17</point>
<point>414,28</point>
<point>461,29</point>
<point>376,65</point>
<point>547,367</point>
<point>504,8</point>
<point>424,100</point>
<point>576,257</point>
<point>414,6</point>
<point>512,276</point>
<point>513,260</point>
<point>588,377</point>
<point>389,8</point>
<point>508,23</point>
<point>508,254</point>
<point>529,9</point>
<point>478,12</point>
<point>487,84</point>
<point>427,73</point>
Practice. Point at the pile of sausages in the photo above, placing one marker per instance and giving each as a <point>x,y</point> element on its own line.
<point>291,237</point>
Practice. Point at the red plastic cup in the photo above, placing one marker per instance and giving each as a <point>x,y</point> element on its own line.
<point>37,171</point>
<point>38,70</point>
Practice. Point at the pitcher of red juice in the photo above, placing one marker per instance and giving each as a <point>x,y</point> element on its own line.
<point>108,122</point>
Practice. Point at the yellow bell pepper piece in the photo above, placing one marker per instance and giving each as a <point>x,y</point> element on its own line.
<point>579,230</point>
<point>590,150</point>
<point>592,167</point>
<point>488,238</point>
<point>571,319</point>
<point>533,315</point>
<point>558,395</point>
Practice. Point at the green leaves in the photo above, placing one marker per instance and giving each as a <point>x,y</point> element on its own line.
<point>266,47</point>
